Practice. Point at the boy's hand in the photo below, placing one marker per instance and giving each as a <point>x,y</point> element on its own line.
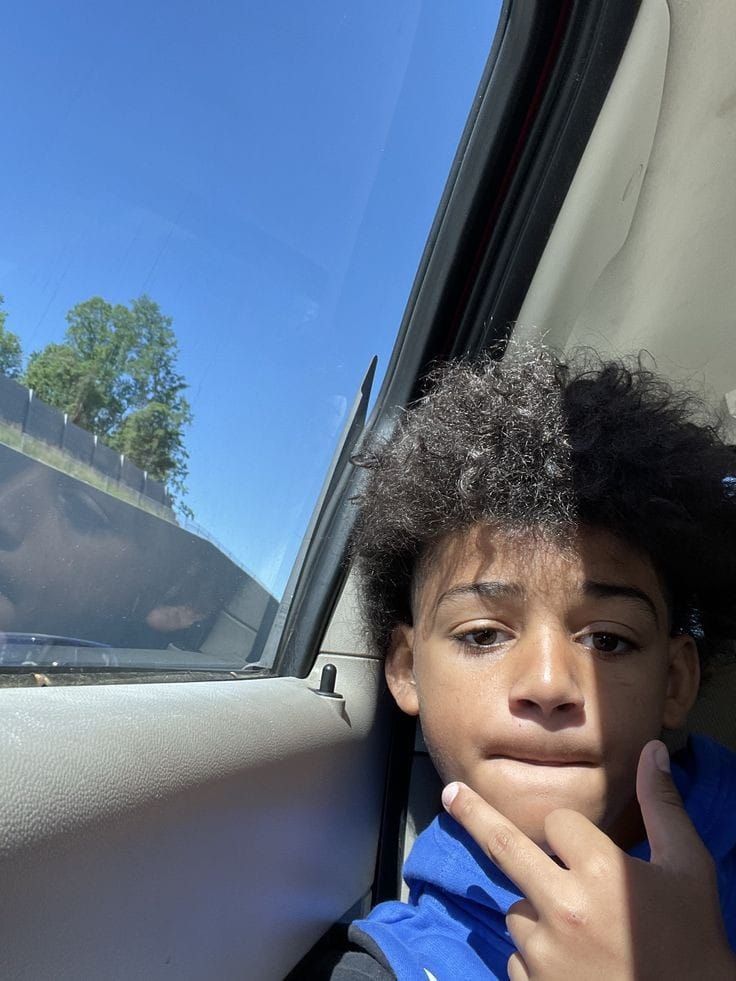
<point>608,915</point>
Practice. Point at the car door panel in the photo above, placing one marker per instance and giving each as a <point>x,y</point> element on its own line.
<point>190,830</point>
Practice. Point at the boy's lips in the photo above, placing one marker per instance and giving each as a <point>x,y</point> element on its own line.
<point>545,757</point>
<point>517,759</point>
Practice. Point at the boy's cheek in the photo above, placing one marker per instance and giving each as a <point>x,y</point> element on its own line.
<point>440,750</point>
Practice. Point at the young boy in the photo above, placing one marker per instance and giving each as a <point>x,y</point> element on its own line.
<point>548,556</point>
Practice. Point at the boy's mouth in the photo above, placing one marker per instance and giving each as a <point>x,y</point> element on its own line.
<point>544,760</point>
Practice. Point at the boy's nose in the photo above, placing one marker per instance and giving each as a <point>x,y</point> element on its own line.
<point>545,681</point>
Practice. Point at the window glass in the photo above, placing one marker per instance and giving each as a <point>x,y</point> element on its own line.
<point>211,219</point>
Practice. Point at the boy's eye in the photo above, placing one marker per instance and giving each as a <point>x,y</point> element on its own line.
<point>607,643</point>
<point>483,637</point>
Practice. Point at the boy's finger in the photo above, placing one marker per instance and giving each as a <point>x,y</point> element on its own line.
<point>516,968</point>
<point>521,921</point>
<point>672,837</point>
<point>533,872</point>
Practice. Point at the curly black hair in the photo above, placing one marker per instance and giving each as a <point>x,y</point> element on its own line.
<point>534,442</point>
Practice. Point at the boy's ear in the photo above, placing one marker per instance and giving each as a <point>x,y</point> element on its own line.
<point>683,681</point>
<point>399,668</point>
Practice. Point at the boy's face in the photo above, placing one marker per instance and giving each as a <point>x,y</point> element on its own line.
<point>539,674</point>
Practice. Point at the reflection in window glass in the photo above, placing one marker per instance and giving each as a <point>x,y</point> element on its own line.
<point>212,217</point>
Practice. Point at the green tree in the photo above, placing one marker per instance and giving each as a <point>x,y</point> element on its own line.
<point>11,355</point>
<point>116,375</point>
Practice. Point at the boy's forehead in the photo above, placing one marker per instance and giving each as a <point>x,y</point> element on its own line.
<point>530,558</point>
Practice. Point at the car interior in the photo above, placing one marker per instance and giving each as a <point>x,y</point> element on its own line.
<point>230,828</point>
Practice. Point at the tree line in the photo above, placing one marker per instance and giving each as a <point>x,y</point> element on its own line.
<point>115,375</point>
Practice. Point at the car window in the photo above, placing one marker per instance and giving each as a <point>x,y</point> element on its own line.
<point>212,218</point>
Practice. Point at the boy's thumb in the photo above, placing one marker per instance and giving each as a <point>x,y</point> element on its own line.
<point>672,837</point>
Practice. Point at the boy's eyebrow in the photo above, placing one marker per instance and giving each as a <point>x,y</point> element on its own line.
<point>606,590</point>
<point>487,589</point>
<point>490,589</point>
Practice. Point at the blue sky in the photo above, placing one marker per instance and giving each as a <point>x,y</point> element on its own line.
<point>267,171</point>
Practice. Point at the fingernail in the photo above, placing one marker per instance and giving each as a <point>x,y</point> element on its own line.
<point>449,794</point>
<point>662,758</point>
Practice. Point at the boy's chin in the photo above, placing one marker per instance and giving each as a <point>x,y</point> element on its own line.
<point>529,814</point>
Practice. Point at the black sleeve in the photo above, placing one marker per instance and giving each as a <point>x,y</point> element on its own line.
<point>341,956</point>
<point>358,965</point>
